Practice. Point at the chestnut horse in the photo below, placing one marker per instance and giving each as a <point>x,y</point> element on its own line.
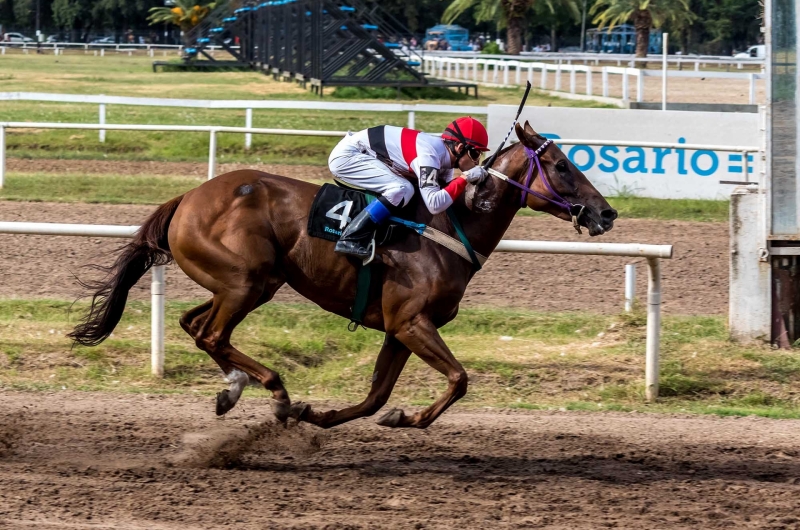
<point>243,235</point>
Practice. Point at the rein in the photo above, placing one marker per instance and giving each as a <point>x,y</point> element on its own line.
<point>575,210</point>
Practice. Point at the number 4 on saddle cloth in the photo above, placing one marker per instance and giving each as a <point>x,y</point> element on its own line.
<point>334,207</point>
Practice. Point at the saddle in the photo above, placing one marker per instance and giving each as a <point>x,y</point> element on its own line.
<point>335,206</point>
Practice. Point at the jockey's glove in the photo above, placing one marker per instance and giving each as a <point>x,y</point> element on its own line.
<point>475,175</point>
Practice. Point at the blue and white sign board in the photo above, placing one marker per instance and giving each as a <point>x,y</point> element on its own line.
<point>646,172</point>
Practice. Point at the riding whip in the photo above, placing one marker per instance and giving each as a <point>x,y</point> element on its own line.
<point>491,159</point>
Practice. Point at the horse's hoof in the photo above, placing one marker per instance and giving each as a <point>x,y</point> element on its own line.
<point>391,418</point>
<point>224,402</point>
<point>281,410</point>
<point>298,410</point>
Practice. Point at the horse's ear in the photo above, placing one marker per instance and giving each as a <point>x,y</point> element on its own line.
<point>529,132</point>
<point>522,134</point>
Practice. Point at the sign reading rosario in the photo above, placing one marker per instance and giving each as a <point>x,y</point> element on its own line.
<point>611,159</point>
<point>647,172</point>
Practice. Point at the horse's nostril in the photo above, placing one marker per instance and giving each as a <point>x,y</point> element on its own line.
<point>609,214</point>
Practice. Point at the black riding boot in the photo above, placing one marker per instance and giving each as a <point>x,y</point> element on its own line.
<point>358,236</point>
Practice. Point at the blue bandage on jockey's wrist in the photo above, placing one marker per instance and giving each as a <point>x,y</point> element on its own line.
<point>377,211</point>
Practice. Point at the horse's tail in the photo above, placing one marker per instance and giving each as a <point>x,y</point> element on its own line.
<point>148,248</point>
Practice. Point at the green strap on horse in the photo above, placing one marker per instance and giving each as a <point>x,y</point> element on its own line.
<point>364,282</point>
<point>463,237</point>
<point>363,285</point>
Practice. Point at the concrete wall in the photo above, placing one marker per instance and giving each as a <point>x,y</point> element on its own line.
<point>664,174</point>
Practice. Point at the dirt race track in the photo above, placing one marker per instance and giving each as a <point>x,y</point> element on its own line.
<point>98,461</point>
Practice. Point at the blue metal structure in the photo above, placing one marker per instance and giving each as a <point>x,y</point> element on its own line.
<point>456,37</point>
<point>317,42</point>
<point>620,39</point>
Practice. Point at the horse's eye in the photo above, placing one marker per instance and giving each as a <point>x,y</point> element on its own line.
<point>561,166</point>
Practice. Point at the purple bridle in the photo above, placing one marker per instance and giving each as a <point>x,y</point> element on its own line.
<point>575,210</point>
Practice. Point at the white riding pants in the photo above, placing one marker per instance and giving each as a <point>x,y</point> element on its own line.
<point>354,164</point>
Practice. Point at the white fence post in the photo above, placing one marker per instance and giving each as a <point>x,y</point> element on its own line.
<point>558,76</point>
<point>411,119</point>
<point>640,86</point>
<point>157,321</point>
<point>630,286</point>
<point>102,133</point>
<point>505,73</point>
<point>518,72</point>
<point>752,79</point>
<point>212,154</point>
<point>2,156</point>
<point>605,81</point>
<point>248,122</point>
<point>665,43</point>
<point>572,81</point>
<point>653,328</point>
<point>544,76</point>
<point>589,81</point>
<point>625,86</point>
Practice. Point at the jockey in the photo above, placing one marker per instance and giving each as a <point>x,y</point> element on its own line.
<point>382,159</point>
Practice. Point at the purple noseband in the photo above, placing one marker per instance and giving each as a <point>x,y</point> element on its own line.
<point>575,210</point>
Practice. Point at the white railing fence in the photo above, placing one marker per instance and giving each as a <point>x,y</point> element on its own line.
<point>499,72</point>
<point>590,58</point>
<point>653,253</point>
<point>214,130</point>
<point>104,101</point>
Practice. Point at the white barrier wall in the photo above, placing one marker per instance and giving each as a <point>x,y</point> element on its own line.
<point>647,172</point>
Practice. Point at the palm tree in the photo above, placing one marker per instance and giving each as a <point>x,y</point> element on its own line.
<point>644,14</point>
<point>185,14</point>
<point>509,14</point>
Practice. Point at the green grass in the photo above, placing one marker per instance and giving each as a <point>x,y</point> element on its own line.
<point>671,209</point>
<point>577,361</point>
<point>110,189</point>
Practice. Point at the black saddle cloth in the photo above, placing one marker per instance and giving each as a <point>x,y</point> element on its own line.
<point>333,209</point>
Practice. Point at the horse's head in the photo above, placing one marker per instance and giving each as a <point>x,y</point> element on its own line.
<point>565,192</point>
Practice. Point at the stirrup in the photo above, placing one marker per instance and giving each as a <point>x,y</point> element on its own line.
<point>371,249</point>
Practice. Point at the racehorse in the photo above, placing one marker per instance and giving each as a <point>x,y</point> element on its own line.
<point>242,235</point>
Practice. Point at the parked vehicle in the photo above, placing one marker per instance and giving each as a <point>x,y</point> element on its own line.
<point>16,37</point>
<point>456,37</point>
<point>759,51</point>
<point>103,40</point>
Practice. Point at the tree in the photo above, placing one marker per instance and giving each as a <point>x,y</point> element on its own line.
<point>508,14</point>
<point>185,14</point>
<point>24,11</point>
<point>554,18</point>
<point>644,14</point>
<point>73,15</point>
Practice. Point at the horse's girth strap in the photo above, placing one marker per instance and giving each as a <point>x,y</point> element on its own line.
<point>451,243</point>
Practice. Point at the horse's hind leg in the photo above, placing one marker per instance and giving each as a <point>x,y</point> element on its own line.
<point>391,361</point>
<point>422,337</point>
<point>227,310</point>
<point>191,321</point>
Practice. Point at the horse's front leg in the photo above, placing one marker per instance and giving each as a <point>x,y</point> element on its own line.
<point>391,361</point>
<point>422,337</point>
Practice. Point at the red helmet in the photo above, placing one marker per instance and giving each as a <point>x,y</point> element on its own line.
<point>468,130</point>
